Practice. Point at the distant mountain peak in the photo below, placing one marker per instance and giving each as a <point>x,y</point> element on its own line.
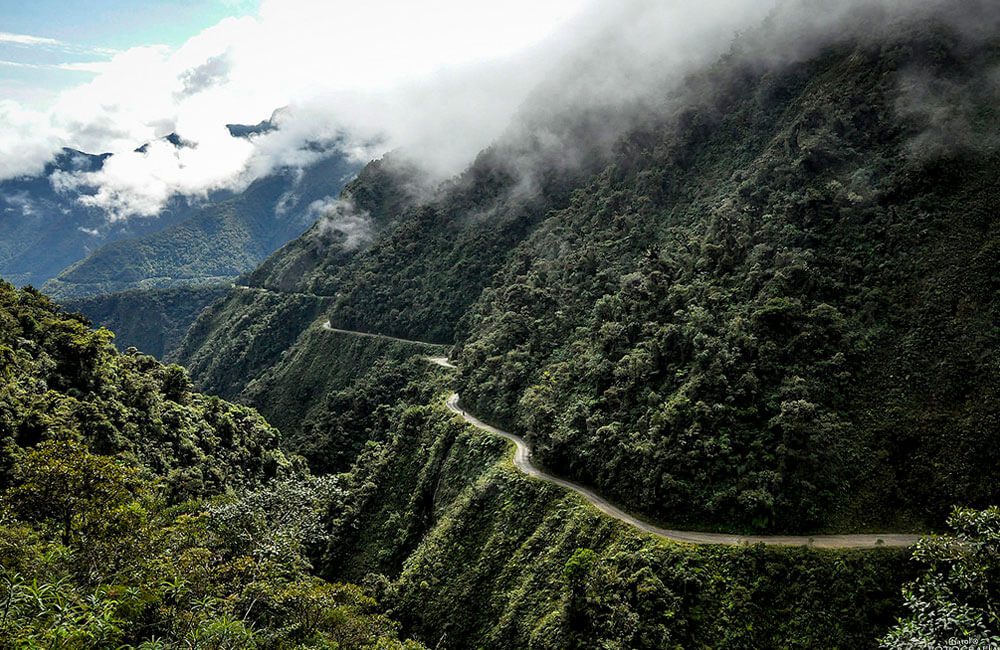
<point>172,138</point>
<point>246,130</point>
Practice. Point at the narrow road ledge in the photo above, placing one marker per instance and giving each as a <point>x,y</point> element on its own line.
<point>522,461</point>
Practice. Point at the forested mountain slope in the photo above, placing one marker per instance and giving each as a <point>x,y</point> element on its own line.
<point>426,255</point>
<point>61,379</point>
<point>778,309</point>
<point>768,305</point>
<point>475,554</point>
<point>772,307</point>
<point>152,320</point>
<point>135,512</point>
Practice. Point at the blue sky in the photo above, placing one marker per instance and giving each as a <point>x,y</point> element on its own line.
<point>87,31</point>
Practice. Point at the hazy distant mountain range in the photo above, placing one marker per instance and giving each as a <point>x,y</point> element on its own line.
<point>49,237</point>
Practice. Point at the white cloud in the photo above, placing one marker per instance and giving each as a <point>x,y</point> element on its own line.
<point>371,68</point>
<point>439,78</point>
<point>95,67</point>
<point>338,221</point>
<point>25,39</point>
<point>27,140</point>
<point>18,64</point>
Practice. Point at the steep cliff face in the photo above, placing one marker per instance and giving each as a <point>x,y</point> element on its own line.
<point>771,305</point>
<point>778,308</point>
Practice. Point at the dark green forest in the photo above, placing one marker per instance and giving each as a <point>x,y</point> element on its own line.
<point>107,539</point>
<point>154,321</point>
<point>772,308</point>
<point>135,512</point>
<point>772,313</point>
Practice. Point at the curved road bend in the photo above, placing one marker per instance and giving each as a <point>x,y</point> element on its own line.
<point>522,460</point>
<point>328,326</point>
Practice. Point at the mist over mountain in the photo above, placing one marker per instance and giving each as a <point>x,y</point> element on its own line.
<point>673,326</point>
<point>45,229</point>
<point>216,242</point>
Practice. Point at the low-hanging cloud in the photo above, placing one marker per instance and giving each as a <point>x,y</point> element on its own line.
<point>339,221</point>
<point>439,80</point>
<point>944,111</point>
<point>212,72</point>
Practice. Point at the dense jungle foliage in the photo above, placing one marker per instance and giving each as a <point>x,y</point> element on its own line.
<point>239,338</point>
<point>956,599</point>
<point>61,379</point>
<point>320,366</point>
<point>773,307</point>
<point>777,311</point>
<point>469,553</point>
<point>154,321</point>
<point>102,550</point>
<point>137,513</point>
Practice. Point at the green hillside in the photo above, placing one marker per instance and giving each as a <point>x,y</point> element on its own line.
<point>775,309</point>
<point>152,320</point>
<point>135,512</point>
<point>477,555</point>
<point>770,306</point>
<point>773,312</point>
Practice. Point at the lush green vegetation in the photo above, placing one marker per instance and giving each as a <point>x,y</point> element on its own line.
<point>137,513</point>
<point>957,598</point>
<point>434,250</point>
<point>772,312</point>
<point>62,379</point>
<point>772,307</point>
<point>154,321</point>
<point>469,553</point>
<point>91,556</point>
<point>319,379</point>
<point>237,339</point>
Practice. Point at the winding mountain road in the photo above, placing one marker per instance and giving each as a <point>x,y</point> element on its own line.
<point>328,326</point>
<point>522,461</point>
<point>274,292</point>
